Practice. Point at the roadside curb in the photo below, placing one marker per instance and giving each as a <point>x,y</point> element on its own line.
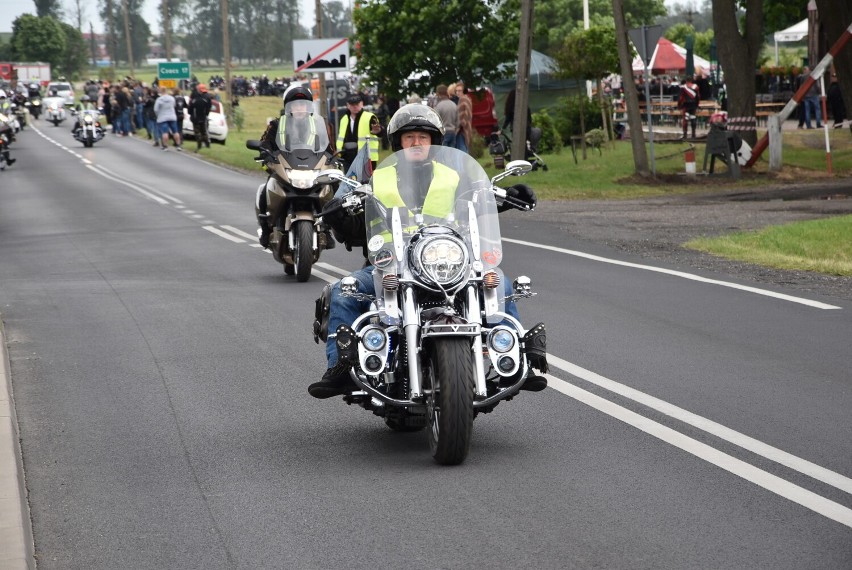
<point>16,538</point>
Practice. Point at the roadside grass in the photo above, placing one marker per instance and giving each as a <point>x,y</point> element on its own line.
<point>823,246</point>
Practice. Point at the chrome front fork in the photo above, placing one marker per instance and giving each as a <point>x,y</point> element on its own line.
<point>473,316</point>
<point>412,328</point>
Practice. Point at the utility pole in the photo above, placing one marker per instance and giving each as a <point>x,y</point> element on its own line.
<point>94,45</point>
<point>226,55</point>
<point>167,27</point>
<point>519,127</point>
<point>127,37</point>
<point>321,94</point>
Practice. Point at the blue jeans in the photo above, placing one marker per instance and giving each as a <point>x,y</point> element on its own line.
<point>140,116</point>
<point>812,105</point>
<point>450,139</point>
<point>344,310</point>
<point>151,127</point>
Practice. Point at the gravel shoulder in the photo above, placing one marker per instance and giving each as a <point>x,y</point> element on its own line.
<point>656,228</point>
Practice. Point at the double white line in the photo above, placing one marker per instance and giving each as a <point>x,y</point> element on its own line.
<point>768,481</point>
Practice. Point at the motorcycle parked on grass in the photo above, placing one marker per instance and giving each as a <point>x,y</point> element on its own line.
<point>290,202</point>
<point>437,346</point>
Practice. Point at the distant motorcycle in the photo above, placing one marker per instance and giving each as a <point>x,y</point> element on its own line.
<point>35,107</point>
<point>90,130</point>
<point>55,110</point>
<point>291,200</point>
<point>7,135</point>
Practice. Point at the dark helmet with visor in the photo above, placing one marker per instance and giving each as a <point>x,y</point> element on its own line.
<point>415,117</point>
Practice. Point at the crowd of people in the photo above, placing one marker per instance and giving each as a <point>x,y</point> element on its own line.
<point>131,106</point>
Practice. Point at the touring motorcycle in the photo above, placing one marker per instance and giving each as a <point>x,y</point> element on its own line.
<point>54,110</point>
<point>438,345</point>
<point>7,135</point>
<point>291,200</point>
<point>89,130</point>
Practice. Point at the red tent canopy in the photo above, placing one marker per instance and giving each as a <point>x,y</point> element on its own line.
<point>669,59</point>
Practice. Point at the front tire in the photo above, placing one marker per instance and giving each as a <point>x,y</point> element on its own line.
<point>303,256</point>
<point>450,410</point>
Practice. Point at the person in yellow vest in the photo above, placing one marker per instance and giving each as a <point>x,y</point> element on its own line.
<point>358,128</point>
<point>297,128</point>
<point>414,129</point>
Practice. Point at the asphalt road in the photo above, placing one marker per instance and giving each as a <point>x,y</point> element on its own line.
<point>160,360</point>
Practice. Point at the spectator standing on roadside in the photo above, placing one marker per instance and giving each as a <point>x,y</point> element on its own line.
<point>688,101</point>
<point>357,129</point>
<point>150,115</point>
<point>383,115</point>
<point>138,105</point>
<point>465,109</point>
<point>448,113</point>
<point>834,98</point>
<point>167,124</point>
<point>812,103</point>
<point>199,108</point>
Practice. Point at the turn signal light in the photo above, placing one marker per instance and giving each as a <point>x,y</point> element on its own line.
<point>491,280</point>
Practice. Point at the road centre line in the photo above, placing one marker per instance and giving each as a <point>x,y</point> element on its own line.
<point>739,439</point>
<point>97,170</point>
<point>681,274</point>
<point>772,483</point>
<point>239,232</point>
<point>226,235</point>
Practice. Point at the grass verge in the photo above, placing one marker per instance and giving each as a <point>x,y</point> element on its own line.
<point>823,246</point>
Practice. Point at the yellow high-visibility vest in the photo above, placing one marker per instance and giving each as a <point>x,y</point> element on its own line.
<point>364,134</point>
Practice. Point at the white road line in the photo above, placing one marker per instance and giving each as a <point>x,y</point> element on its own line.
<point>220,233</point>
<point>681,274</point>
<point>239,232</point>
<point>99,172</point>
<point>324,276</point>
<point>332,268</point>
<point>753,445</point>
<point>169,197</point>
<point>772,483</point>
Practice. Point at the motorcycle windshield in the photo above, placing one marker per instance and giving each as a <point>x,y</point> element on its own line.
<point>300,131</point>
<point>431,186</point>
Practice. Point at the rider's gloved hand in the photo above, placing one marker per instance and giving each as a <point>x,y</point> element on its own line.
<point>334,215</point>
<point>520,193</point>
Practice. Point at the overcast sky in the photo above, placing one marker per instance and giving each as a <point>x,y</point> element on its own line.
<point>11,9</point>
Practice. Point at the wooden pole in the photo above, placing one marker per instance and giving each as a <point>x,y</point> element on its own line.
<point>226,56</point>
<point>127,37</point>
<point>519,127</point>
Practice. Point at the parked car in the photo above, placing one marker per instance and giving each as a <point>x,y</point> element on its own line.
<point>63,89</point>
<point>217,124</point>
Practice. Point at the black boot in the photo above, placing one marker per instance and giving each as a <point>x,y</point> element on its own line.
<point>335,382</point>
<point>9,161</point>
<point>263,238</point>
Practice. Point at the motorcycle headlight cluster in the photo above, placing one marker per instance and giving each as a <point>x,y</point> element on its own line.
<point>374,350</point>
<point>442,259</point>
<point>302,179</point>
<point>87,118</point>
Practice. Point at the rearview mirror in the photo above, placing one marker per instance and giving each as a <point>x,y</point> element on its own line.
<point>518,167</point>
<point>253,144</point>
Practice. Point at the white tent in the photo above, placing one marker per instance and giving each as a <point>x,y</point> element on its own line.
<point>794,33</point>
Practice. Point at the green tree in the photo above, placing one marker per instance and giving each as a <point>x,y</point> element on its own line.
<point>440,41</point>
<point>336,20</point>
<point>555,20</point>
<point>781,14</point>
<point>679,32</point>
<point>38,39</point>
<point>139,30</point>
<point>201,24</point>
<point>76,56</point>
<point>589,54</point>
<point>51,8</point>
<point>835,16</point>
<point>738,43</point>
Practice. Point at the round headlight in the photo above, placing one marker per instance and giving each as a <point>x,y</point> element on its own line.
<point>373,363</point>
<point>374,339</point>
<point>443,259</point>
<point>506,364</point>
<point>502,340</point>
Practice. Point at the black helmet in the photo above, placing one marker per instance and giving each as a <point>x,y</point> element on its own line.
<point>298,92</point>
<point>415,117</point>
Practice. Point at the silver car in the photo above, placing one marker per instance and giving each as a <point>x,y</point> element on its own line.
<point>63,89</point>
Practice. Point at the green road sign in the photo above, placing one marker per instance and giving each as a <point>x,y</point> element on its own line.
<point>173,70</point>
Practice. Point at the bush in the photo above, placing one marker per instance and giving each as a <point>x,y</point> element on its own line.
<point>477,146</point>
<point>551,140</point>
<point>566,117</point>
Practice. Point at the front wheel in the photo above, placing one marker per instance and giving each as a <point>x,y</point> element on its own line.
<point>450,404</point>
<point>303,256</point>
